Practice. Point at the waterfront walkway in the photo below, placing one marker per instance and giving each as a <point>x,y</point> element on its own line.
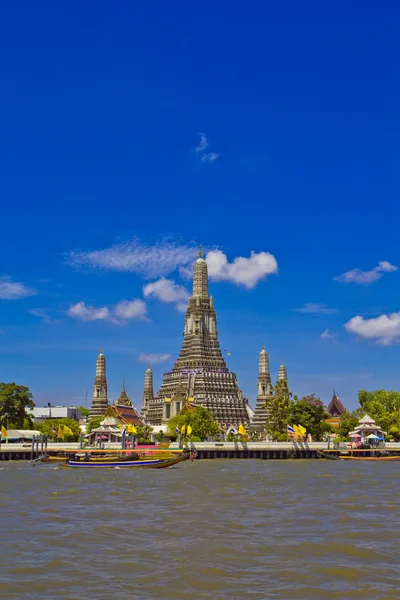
<point>205,450</point>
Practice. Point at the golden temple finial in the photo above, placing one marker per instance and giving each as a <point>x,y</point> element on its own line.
<point>200,251</point>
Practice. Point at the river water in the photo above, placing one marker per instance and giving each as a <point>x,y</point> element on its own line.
<point>218,529</point>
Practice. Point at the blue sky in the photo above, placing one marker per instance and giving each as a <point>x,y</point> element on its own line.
<point>130,134</point>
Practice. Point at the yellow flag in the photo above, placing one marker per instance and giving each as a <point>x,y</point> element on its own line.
<point>190,399</point>
<point>242,430</point>
<point>60,433</point>
<point>302,430</point>
<point>132,429</point>
<point>4,433</point>
<point>183,429</point>
<point>68,431</point>
<point>189,430</point>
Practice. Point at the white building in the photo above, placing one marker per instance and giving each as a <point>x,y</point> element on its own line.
<point>41,413</point>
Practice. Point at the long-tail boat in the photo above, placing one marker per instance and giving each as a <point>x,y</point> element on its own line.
<point>142,464</point>
<point>363,454</point>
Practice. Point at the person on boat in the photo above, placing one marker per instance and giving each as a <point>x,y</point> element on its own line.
<point>86,458</point>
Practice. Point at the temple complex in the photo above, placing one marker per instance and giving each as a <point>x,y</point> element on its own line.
<point>200,373</point>
<point>100,401</point>
<point>264,392</point>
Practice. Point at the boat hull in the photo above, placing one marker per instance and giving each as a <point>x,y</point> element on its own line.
<point>136,464</point>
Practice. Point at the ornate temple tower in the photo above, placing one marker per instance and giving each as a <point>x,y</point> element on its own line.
<point>200,372</point>
<point>124,399</point>
<point>264,392</point>
<point>148,394</point>
<point>282,376</point>
<point>99,402</point>
<point>282,373</point>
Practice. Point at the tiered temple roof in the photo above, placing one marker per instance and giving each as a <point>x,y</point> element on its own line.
<point>124,415</point>
<point>335,406</point>
<point>200,372</point>
<point>124,400</point>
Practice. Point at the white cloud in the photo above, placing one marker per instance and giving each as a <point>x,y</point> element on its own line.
<point>365,277</point>
<point>14,290</point>
<point>210,156</point>
<point>118,314</point>
<point>384,329</point>
<point>314,308</point>
<point>137,257</point>
<point>328,335</point>
<point>167,290</point>
<point>242,271</point>
<point>203,144</point>
<point>41,313</point>
<point>130,309</point>
<point>153,359</point>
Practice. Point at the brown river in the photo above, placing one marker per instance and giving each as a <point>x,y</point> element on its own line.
<point>218,529</point>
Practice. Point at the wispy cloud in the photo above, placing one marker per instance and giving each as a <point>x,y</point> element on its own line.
<point>153,359</point>
<point>328,336</point>
<point>242,271</point>
<point>135,256</point>
<point>14,290</point>
<point>203,144</point>
<point>366,277</point>
<point>119,314</point>
<point>210,156</point>
<point>384,329</point>
<point>315,308</point>
<point>167,290</point>
<point>205,156</point>
<point>42,313</point>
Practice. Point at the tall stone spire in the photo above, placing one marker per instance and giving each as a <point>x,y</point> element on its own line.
<point>99,402</point>
<point>282,373</point>
<point>200,369</point>
<point>148,393</point>
<point>200,277</point>
<point>264,391</point>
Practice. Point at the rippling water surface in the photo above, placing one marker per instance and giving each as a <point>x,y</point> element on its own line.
<point>219,529</point>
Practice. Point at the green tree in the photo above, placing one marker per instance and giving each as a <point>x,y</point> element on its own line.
<point>348,422</point>
<point>50,428</point>
<point>309,411</point>
<point>94,423</point>
<point>84,411</point>
<point>144,433</point>
<point>14,400</point>
<point>384,407</point>
<point>278,407</point>
<point>199,418</point>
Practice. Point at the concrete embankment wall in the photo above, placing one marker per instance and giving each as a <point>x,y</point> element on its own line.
<point>206,450</point>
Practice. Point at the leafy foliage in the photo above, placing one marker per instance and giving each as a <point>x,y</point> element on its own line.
<point>14,400</point>
<point>384,407</point>
<point>50,428</point>
<point>278,407</point>
<point>144,433</point>
<point>94,423</point>
<point>84,411</point>
<point>309,411</point>
<point>200,419</point>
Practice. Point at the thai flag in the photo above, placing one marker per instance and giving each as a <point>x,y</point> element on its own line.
<point>290,429</point>
<point>234,430</point>
<point>123,430</point>
<point>177,430</point>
